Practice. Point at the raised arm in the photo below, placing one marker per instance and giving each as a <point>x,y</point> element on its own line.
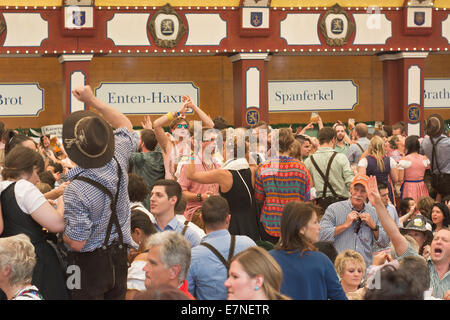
<point>158,124</point>
<point>389,225</point>
<point>206,120</point>
<point>116,118</point>
<point>219,176</point>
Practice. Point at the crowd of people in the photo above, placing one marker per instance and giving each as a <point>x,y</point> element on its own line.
<point>208,211</point>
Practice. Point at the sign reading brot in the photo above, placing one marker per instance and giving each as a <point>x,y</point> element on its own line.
<point>21,99</point>
<point>166,27</point>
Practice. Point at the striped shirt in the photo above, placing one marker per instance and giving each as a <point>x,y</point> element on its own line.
<point>362,242</point>
<point>279,181</point>
<point>87,209</point>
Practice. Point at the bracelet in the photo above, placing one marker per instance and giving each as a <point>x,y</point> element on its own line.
<point>169,115</point>
<point>199,197</point>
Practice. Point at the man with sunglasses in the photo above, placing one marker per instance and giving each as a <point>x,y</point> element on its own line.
<point>353,223</point>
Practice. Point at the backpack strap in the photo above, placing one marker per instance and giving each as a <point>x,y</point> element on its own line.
<point>218,255</point>
<point>326,183</point>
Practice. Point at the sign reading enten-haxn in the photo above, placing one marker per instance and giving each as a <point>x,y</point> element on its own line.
<point>312,95</point>
<point>146,97</point>
<point>20,99</point>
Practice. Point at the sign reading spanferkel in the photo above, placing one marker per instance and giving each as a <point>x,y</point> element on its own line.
<point>146,97</point>
<point>312,95</point>
<point>20,99</point>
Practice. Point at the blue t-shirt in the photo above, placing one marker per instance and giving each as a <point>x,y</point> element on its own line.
<point>310,276</point>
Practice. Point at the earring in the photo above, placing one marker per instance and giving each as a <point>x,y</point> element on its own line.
<point>256,288</point>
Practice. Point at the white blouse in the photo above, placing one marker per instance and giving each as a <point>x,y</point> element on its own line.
<point>363,163</point>
<point>405,164</point>
<point>28,196</point>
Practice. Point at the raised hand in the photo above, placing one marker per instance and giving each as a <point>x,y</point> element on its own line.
<point>187,103</point>
<point>372,191</point>
<point>83,94</point>
<point>147,123</point>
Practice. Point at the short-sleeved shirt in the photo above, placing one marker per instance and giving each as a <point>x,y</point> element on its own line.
<point>279,181</point>
<point>28,197</point>
<point>87,209</point>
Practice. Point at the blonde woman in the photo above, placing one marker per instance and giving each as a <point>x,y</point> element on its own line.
<point>254,275</point>
<point>378,164</point>
<point>350,267</point>
<point>17,262</point>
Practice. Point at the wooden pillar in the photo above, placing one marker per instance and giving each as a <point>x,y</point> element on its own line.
<point>250,87</point>
<point>403,77</point>
<point>75,74</point>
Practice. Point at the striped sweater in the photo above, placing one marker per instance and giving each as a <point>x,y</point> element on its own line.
<point>277,182</point>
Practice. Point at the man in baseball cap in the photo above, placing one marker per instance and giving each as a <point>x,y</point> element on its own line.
<point>97,198</point>
<point>353,224</point>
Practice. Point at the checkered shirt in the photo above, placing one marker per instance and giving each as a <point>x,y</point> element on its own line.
<point>87,209</point>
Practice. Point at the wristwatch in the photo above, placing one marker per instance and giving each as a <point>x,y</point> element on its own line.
<point>375,229</point>
<point>199,197</point>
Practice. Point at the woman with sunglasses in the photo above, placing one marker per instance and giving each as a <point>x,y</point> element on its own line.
<point>176,145</point>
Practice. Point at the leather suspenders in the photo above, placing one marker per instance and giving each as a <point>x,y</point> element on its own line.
<point>226,263</point>
<point>114,219</point>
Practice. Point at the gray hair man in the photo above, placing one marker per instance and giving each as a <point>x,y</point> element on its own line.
<point>168,261</point>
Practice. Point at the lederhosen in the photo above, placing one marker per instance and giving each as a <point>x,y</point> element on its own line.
<point>104,270</point>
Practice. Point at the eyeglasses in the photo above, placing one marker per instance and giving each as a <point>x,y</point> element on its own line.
<point>179,126</point>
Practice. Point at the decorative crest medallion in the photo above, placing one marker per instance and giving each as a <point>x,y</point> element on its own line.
<point>166,27</point>
<point>414,113</point>
<point>252,116</point>
<point>336,26</point>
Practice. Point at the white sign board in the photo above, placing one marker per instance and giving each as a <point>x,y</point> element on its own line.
<point>314,95</point>
<point>53,130</point>
<point>436,93</point>
<point>21,99</point>
<point>146,97</point>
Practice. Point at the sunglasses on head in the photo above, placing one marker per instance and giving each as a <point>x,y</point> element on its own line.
<point>179,126</point>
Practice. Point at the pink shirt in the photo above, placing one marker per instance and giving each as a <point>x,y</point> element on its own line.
<point>195,187</point>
